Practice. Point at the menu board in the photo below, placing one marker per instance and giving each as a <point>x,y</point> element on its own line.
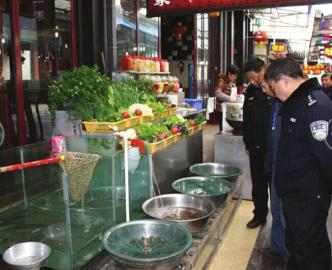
<point>171,7</point>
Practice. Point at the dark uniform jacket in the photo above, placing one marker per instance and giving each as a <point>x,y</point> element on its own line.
<point>328,92</point>
<point>304,160</point>
<point>256,118</point>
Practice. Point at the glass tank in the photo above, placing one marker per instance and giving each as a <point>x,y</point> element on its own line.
<point>66,208</point>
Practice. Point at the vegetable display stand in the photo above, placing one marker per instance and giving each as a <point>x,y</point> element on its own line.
<point>155,147</point>
<point>171,111</point>
<point>196,128</point>
<point>106,127</point>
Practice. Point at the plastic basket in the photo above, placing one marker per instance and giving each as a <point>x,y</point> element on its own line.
<point>196,128</point>
<point>195,103</point>
<point>106,127</point>
<point>171,111</point>
<point>79,168</point>
<point>155,147</point>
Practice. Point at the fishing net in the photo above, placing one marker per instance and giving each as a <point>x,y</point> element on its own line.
<point>79,168</point>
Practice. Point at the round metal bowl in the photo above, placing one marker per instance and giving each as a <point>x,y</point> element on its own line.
<point>216,189</point>
<point>188,210</point>
<point>27,255</point>
<point>228,172</point>
<point>147,243</point>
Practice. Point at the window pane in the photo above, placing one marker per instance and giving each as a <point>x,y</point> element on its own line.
<point>125,29</point>
<point>7,90</point>
<point>202,48</point>
<point>45,33</point>
<point>148,32</point>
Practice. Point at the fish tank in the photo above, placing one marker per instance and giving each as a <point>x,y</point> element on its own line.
<point>69,208</point>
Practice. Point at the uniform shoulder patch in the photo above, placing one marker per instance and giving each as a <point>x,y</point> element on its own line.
<point>311,100</point>
<point>319,129</point>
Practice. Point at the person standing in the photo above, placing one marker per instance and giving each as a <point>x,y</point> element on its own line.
<point>223,90</point>
<point>256,116</point>
<point>327,84</point>
<point>277,250</point>
<point>303,164</point>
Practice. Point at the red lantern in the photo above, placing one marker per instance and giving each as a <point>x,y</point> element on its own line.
<point>260,37</point>
<point>179,30</point>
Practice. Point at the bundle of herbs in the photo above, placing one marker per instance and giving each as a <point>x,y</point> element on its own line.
<point>82,92</point>
<point>89,95</point>
<point>123,94</point>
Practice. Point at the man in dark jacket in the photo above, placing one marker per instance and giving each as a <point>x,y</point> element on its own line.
<point>327,84</point>
<point>256,115</point>
<point>303,166</point>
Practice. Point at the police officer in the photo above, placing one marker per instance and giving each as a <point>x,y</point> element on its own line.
<point>256,118</point>
<point>303,166</point>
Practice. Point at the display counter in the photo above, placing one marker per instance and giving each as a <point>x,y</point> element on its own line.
<point>40,204</point>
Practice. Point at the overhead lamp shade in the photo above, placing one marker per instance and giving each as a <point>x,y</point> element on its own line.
<point>260,37</point>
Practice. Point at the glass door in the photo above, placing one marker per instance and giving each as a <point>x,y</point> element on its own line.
<point>45,35</point>
<point>8,132</point>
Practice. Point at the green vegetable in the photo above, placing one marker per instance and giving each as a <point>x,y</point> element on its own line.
<point>82,92</point>
<point>150,132</point>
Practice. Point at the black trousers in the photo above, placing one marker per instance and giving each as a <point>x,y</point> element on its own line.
<point>220,116</point>
<point>260,184</point>
<point>306,234</point>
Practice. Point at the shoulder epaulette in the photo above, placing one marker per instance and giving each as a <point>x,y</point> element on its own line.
<point>311,100</point>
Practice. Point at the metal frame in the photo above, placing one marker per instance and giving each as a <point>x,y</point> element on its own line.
<point>20,107</point>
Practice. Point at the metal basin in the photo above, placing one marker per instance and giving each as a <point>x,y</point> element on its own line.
<point>228,172</point>
<point>188,210</point>
<point>27,255</point>
<point>216,189</point>
<point>145,244</point>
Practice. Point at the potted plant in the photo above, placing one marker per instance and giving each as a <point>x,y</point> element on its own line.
<point>81,94</point>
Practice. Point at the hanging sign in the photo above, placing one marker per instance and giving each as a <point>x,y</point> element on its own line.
<point>171,7</point>
<point>278,48</point>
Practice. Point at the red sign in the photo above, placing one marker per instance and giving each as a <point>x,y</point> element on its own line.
<point>171,7</point>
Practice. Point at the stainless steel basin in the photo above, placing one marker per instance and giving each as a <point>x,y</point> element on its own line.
<point>27,255</point>
<point>146,244</point>
<point>216,189</point>
<point>188,210</point>
<point>228,172</point>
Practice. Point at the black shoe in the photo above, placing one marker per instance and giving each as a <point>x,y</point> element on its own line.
<point>254,223</point>
<point>274,257</point>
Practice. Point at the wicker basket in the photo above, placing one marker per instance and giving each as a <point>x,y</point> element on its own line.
<point>79,168</point>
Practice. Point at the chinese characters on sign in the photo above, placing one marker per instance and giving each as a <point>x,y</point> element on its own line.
<point>161,3</point>
<point>164,7</point>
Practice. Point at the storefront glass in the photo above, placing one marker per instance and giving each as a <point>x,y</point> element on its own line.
<point>202,51</point>
<point>7,90</point>
<point>45,35</point>
<point>125,11</point>
<point>148,32</point>
<point>134,33</point>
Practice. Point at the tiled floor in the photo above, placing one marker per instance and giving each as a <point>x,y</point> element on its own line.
<point>236,248</point>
